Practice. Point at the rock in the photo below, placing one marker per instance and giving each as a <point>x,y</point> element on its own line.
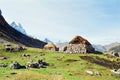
<point>89,72</point>
<point>8,47</point>
<point>116,71</point>
<point>2,58</point>
<point>39,64</point>
<point>25,55</point>
<point>17,48</point>
<point>15,65</point>
<point>3,65</point>
<point>116,54</point>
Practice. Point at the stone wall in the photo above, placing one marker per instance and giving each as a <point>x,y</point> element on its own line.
<point>79,48</point>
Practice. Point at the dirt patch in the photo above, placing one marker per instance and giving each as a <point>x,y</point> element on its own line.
<point>71,60</point>
<point>102,62</point>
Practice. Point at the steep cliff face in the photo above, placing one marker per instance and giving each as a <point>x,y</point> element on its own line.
<point>10,33</point>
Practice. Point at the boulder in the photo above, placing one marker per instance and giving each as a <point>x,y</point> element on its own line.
<point>3,65</point>
<point>17,48</point>
<point>39,64</point>
<point>2,58</point>
<point>116,71</point>
<point>91,72</point>
<point>15,65</point>
<point>116,54</point>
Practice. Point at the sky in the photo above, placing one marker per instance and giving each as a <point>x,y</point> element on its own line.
<point>60,20</point>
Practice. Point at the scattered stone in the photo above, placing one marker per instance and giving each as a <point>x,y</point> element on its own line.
<point>39,64</point>
<point>3,65</point>
<point>15,48</point>
<point>25,55</point>
<point>91,72</point>
<point>8,47</point>
<point>97,73</point>
<point>15,65</point>
<point>2,58</point>
<point>116,71</point>
<point>116,54</point>
<point>42,54</point>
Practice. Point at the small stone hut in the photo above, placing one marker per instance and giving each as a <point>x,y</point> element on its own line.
<point>79,45</point>
<point>50,46</point>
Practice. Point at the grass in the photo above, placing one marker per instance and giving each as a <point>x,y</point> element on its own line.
<point>62,66</point>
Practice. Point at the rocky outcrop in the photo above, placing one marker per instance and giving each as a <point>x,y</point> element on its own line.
<point>79,45</point>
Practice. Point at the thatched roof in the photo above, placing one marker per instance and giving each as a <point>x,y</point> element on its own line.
<point>79,40</point>
<point>50,45</point>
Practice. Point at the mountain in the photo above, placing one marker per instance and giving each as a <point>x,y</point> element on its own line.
<point>109,46</point>
<point>99,48</point>
<point>47,40</point>
<point>9,33</point>
<point>18,27</point>
<point>115,49</point>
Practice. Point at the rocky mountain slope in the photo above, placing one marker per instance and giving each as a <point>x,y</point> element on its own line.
<point>12,34</point>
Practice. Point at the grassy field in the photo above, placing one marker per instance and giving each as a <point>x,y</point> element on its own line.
<point>62,66</point>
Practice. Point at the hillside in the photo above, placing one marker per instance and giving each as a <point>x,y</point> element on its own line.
<point>14,35</point>
<point>62,66</point>
<point>115,49</point>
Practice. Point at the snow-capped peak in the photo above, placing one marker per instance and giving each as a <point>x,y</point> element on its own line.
<point>18,27</point>
<point>47,40</point>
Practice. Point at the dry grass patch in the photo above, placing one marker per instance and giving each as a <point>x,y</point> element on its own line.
<point>28,75</point>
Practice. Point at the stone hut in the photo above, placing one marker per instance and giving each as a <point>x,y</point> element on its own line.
<point>50,46</point>
<point>79,45</point>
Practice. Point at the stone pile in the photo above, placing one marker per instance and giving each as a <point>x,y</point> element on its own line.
<point>15,48</point>
<point>39,64</point>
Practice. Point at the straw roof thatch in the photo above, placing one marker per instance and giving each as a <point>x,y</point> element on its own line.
<point>79,40</point>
